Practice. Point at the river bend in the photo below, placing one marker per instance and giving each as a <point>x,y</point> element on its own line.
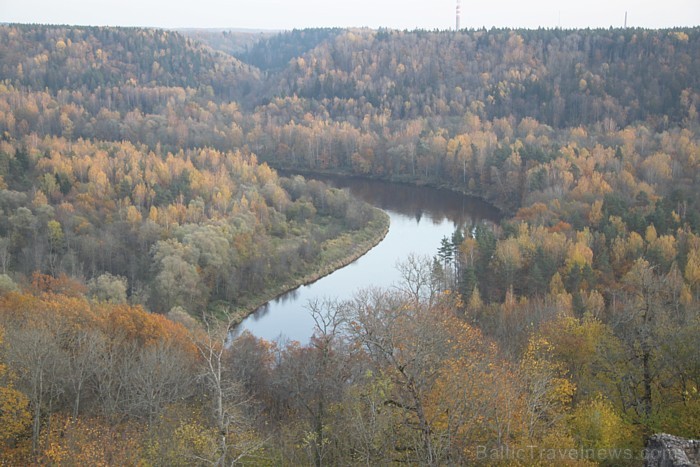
<point>420,218</point>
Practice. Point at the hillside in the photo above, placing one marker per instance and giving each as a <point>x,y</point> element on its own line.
<point>90,59</point>
<point>97,179</point>
<point>134,176</point>
<point>561,78</point>
<point>230,41</point>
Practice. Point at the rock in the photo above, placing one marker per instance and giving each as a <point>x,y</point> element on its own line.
<point>664,450</point>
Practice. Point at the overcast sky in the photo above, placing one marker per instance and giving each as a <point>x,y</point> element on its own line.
<point>398,14</point>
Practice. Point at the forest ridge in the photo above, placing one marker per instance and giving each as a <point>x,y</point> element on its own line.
<point>134,182</point>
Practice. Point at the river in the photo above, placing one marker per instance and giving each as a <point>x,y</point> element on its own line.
<point>420,218</point>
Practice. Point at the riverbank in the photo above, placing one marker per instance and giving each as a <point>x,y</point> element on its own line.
<point>502,210</point>
<point>335,253</point>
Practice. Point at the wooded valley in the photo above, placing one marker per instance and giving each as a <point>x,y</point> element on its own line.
<point>141,216</point>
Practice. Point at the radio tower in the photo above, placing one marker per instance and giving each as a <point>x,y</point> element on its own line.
<point>459,14</point>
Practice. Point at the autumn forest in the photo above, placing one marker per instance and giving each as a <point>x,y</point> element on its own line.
<point>142,216</point>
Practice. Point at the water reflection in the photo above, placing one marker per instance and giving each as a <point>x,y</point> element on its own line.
<point>420,218</point>
<point>287,297</point>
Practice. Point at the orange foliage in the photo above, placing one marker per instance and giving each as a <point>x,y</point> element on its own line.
<point>91,442</point>
<point>561,227</point>
<point>134,324</point>
<point>14,414</point>
<point>537,213</point>
<point>124,323</point>
<point>64,285</point>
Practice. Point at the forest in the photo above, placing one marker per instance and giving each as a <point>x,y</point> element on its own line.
<point>141,215</point>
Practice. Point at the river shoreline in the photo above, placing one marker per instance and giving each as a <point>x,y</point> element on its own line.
<point>376,231</point>
<point>308,173</point>
<point>421,217</point>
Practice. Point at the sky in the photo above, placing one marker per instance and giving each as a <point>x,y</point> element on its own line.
<point>394,14</point>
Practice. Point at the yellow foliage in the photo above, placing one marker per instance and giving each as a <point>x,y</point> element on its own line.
<point>189,440</point>
<point>14,407</point>
<point>657,168</point>
<point>508,254</point>
<point>686,296</point>
<point>133,215</point>
<point>595,215</point>
<point>550,392</point>
<point>618,224</point>
<point>692,269</point>
<point>625,251</point>
<point>153,214</point>
<point>14,411</point>
<point>679,35</point>
<point>665,248</point>
<point>40,199</point>
<point>556,285</point>
<point>579,255</point>
<point>596,425</point>
<point>475,303</point>
<point>537,213</point>
<point>594,303</point>
<point>89,442</point>
<point>650,234</point>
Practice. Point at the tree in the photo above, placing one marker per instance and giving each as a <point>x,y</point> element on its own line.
<point>591,354</point>
<point>90,441</point>
<point>108,288</point>
<point>410,344</point>
<point>509,259</point>
<point>597,426</point>
<point>643,316</point>
<point>5,254</point>
<point>180,438</point>
<point>83,346</point>
<point>549,391</point>
<point>418,280</point>
<point>56,245</point>
<point>15,417</point>
<point>7,284</point>
<point>362,429</point>
<point>403,342</point>
<point>317,375</point>
<point>177,281</point>
<point>35,353</point>
<point>161,374</point>
<point>235,437</point>
<point>477,399</point>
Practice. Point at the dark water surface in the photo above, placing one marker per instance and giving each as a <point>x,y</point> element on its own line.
<point>420,218</point>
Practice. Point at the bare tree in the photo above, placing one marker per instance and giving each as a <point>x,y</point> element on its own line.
<point>112,367</point>
<point>35,353</point>
<point>417,278</point>
<point>226,396</point>
<point>82,354</point>
<point>161,375</point>
<point>5,254</point>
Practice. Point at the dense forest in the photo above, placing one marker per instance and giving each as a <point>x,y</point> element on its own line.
<point>139,215</point>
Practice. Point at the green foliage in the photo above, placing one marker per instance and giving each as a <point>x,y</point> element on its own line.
<point>597,426</point>
<point>170,231</point>
<point>126,157</point>
<point>108,288</point>
<point>7,284</point>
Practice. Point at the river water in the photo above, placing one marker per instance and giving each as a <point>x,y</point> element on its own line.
<point>420,218</point>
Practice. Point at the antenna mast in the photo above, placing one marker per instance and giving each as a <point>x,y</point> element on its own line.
<point>459,15</point>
